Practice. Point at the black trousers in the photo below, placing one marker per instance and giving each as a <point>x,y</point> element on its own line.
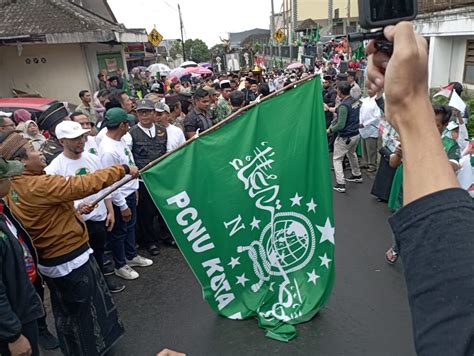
<point>39,287</point>
<point>97,236</point>
<point>151,227</point>
<point>30,331</point>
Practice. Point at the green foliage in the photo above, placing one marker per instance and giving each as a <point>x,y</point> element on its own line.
<point>218,49</point>
<point>470,124</point>
<point>175,49</point>
<point>197,50</point>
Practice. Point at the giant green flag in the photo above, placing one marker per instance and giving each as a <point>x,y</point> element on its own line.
<point>250,207</point>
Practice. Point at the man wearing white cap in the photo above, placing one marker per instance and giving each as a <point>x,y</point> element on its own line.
<point>74,161</point>
<point>174,133</point>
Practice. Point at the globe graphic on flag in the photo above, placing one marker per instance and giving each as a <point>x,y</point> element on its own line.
<point>292,244</point>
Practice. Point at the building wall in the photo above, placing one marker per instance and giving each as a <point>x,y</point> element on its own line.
<point>62,75</point>
<point>90,52</point>
<point>318,9</point>
<point>448,32</point>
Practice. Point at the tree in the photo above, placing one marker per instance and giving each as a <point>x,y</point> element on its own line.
<point>197,50</point>
<point>218,49</point>
<point>176,49</point>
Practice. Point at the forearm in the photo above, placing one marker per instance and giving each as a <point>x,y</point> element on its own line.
<point>10,325</point>
<point>109,205</point>
<point>424,158</point>
<point>340,123</point>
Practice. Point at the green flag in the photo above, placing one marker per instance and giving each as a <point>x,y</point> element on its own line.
<point>250,207</point>
<point>359,52</point>
<point>317,37</point>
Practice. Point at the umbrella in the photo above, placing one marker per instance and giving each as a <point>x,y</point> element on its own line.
<point>295,65</point>
<point>198,70</point>
<point>205,65</point>
<point>163,69</point>
<point>177,72</point>
<point>188,64</point>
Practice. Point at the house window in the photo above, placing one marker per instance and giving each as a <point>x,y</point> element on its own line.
<point>469,64</point>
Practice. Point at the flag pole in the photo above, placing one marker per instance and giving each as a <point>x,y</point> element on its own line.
<point>213,128</point>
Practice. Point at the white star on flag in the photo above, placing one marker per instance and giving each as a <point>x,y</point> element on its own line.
<point>242,280</point>
<point>325,260</point>
<point>296,200</point>
<point>234,262</point>
<point>255,223</point>
<point>327,232</point>
<point>312,277</point>
<point>311,206</point>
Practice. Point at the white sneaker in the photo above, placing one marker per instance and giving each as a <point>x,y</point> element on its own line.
<point>139,261</point>
<point>126,272</point>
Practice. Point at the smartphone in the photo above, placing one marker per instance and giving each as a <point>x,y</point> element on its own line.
<point>381,13</point>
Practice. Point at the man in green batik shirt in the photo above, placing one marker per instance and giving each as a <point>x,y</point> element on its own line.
<point>223,107</point>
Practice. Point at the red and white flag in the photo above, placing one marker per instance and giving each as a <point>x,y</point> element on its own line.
<point>445,91</point>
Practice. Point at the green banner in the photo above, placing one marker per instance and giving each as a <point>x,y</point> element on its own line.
<point>250,207</point>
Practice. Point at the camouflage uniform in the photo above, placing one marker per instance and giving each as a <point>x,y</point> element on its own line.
<point>51,149</point>
<point>222,110</point>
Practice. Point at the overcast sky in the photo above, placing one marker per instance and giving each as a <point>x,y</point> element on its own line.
<point>204,19</point>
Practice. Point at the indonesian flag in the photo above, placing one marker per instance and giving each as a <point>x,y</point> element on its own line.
<point>445,91</point>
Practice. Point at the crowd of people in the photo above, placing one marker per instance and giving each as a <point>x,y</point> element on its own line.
<point>55,169</point>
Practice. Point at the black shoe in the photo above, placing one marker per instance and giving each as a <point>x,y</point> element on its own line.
<point>355,179</point>
<point>114,286</point>
<point>171,243</point>
<point>341,188</point>
<point>107,262</point>
<point>47,340</point>
<point>108,269</point>
<point>153,250</point>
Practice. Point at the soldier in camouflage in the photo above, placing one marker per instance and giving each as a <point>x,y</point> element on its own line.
<point>223,107</point>
<point>48,121</point>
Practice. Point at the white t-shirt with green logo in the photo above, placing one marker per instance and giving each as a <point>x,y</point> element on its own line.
<point>113,152</point>
<point>88,163</point>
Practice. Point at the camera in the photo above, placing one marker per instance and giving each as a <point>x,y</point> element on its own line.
<point>381,13</point>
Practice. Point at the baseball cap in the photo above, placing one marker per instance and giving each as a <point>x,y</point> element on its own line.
<point>210,90</point>
<point>342,77</point>
<point>145,104</point>
<point>115,116</point>
<point>10,168</point>
<point>157,88</point>
<point>69,129</point>
<point>161,107</point>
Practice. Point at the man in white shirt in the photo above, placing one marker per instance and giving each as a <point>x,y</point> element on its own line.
<point>356,93</point>
<point>370,116</point>
<point>74,161</point>
<point>175,134</point>
<point>91,145</point>
<point>114,150</point>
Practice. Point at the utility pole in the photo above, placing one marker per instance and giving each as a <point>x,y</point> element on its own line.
<point>330,15</point>
<point>273,19</point>
<point>182,37</point>
<point>348,23</point>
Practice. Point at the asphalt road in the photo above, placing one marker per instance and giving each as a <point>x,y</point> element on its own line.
<point>367,314</point>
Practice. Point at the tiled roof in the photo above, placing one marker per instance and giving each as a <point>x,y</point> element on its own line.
<point>307,24</point>
<point>42,17</point>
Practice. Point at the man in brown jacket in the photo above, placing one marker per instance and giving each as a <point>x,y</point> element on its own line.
<point>86,318</point>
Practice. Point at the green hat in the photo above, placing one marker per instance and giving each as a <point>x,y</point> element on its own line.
<point>116,116</point>
<point>10,168</point>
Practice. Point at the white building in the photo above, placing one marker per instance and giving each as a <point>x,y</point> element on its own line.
<point>451,45</point>
<point>57,47</point>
